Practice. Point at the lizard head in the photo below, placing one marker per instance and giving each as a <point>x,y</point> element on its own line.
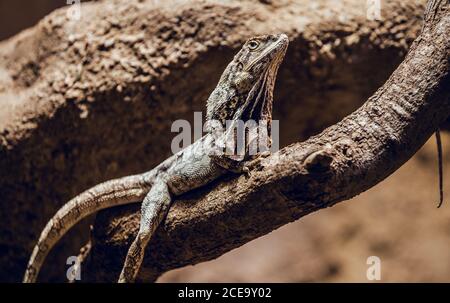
<point>245,89</point>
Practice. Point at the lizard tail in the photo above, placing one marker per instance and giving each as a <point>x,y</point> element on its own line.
<point>111,193</point>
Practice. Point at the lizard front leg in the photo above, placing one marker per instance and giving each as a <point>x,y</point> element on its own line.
<point>153,210</point>
<point>237,166</point>
<point>230,163</point>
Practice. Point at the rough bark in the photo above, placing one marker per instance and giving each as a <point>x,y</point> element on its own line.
<point>88,101</point>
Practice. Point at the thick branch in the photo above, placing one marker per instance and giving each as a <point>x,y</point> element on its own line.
<point>343,161</point>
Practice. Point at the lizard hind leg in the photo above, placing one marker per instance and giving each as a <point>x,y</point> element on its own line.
<point>154,209</point>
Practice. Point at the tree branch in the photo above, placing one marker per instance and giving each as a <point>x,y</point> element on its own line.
<point>341,162</point>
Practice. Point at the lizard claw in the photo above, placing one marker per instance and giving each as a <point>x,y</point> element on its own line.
<point>265,154</point>
<point>246,171</point>
<point>256,162</point>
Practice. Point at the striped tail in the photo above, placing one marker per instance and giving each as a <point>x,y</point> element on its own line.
<point>108,194</point>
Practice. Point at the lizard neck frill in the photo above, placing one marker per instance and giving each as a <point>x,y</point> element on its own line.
<point>260,98</point>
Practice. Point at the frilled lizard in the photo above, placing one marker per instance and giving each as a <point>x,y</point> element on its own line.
<point>244,92</point>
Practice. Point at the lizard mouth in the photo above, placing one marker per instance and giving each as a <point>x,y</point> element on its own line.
<point>263,92</point>
<point>280,46</point>
<point>258,104</point>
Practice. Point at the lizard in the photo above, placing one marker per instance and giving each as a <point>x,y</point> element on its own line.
<point>244,92</point>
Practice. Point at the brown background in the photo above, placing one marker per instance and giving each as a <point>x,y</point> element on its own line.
<point>16,15</point>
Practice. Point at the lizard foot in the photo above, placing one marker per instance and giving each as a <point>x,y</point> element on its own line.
<point>254,163</point>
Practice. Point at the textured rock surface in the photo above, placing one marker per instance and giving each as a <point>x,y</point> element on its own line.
<point>86,101</point>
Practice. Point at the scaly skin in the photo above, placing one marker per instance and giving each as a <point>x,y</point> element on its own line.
<point>244,92</point>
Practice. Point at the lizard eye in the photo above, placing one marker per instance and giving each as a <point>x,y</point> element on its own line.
<point>253,44</point>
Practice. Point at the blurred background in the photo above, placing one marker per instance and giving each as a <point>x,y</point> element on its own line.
<point>16,15</point>
<point>397,220</point>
